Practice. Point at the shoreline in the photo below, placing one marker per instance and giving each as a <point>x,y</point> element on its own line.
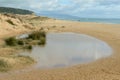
<point>102,69</point>
<point>86,21</point>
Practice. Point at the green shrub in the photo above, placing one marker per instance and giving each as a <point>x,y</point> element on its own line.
<point>10,22</point>
<point>42,34</point>
<point>29,47</point>
<point>11,41</point>
<point>37,35</point>
<point>33,39</point>
<point>34,36</point>
<point>20,42</point>
<point>4,66</point>
<point>42,41</point>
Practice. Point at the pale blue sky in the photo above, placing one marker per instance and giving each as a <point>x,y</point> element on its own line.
<point>82,8</point>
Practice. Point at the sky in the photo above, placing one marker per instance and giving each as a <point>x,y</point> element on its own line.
<point>81,8</point>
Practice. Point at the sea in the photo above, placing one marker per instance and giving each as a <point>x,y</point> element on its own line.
<point>96,20</point>
<point>75,18</point>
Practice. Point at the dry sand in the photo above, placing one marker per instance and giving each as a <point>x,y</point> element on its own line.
<point>102,69</point>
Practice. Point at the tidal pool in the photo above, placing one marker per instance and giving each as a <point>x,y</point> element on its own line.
<point>68,49</point>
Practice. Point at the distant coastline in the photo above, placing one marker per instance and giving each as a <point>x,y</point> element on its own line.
<point>79,19</point>
<point>96,20</point>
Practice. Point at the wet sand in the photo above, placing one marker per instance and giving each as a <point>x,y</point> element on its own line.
<point>102,69</point>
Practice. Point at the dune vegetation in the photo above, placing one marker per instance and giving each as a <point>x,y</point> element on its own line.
<point>4,66</point>
<point>38,37</point>
<point>14,11</point>
<point>11,61</point>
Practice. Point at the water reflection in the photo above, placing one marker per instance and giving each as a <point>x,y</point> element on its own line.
<point>66,49</point>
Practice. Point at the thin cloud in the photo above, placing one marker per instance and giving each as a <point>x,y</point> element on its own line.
<point>109,8</point>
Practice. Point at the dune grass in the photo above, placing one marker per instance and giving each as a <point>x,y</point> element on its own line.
<point>35,38</point>
<point>38,37</point>
<point>25,59</point>
<point>12,41</point>
<point>29,47</point>
<point>42,41</point>
<point>21,60</point>
<point>20,42</point>
<point>4,66</point>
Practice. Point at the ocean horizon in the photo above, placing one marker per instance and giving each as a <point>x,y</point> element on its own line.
<point>81,19</point>
<point>96,20</point>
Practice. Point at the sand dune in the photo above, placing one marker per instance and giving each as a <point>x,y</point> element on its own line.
<point>10,24</point>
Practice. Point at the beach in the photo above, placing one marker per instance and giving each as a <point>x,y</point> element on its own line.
<point>102,69</point>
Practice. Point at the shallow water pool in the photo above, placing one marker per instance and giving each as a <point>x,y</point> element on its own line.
<point>68,49</point>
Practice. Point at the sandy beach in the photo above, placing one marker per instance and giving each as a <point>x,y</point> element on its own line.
<point>102,69</point>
